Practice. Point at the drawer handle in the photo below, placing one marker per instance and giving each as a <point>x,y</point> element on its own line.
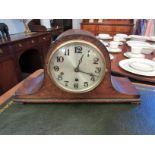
<point>32,41</point>
<point>44,38</point>
<point>20,45</point>
<point>1,51</point>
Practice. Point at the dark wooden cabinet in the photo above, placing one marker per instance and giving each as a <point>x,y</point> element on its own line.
<point>22,53</point>
<point>110,26</point>
<point>8,73</point>
<point>57,26</point>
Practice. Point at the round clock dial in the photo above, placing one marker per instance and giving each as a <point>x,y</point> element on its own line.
<point>76,66</point>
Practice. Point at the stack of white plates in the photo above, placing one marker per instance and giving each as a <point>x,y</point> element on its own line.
<point>143,67</point>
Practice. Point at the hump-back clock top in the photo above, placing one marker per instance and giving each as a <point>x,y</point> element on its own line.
<point>77,64</point>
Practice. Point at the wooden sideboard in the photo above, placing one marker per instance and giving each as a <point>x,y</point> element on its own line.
<point>110,26</point>
<point>36,46</point>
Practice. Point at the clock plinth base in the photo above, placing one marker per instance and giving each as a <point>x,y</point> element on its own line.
<point>35,90</point>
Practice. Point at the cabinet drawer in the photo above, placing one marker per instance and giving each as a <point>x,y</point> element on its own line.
<point>123,29</point>
<point>103,29</point>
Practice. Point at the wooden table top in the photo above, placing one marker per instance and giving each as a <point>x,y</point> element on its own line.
<point>117,70</point>
<point>21,36</point>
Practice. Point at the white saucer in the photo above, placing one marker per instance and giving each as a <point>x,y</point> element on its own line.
<point>132,55</point>
<point>108,37</point>
<point>114,50</point>
<point>137,66</point>
<point>122,35</point>
<point>111,56</point>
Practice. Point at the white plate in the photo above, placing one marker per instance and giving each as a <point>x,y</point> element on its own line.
<point>132,55</point>
<point>144,67</point>
<point>135,66</point>
<point>114,50</point>
<point>138,43</point>
<point>137,37</point>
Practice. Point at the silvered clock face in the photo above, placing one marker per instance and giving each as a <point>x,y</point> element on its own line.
<point>76,66</point>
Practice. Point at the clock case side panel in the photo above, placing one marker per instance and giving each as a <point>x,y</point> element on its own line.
<point>104,91</point>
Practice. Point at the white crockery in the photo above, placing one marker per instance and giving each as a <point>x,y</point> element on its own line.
<point>104,36</point>
<point>117,38</point>
<point>111,56</point>
<point>147,50</point>
<point>114,50</point>
<point>138,37</point>
<point>132,55</point>
<point>114,44</point>
<point>138,66</point>
<point>121,35</point>
<point>138,43</point>
<point>152,38</point>
<point>136,49</point>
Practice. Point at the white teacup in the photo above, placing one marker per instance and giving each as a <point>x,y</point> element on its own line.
<point>136,49</point>
<point>114,44</point>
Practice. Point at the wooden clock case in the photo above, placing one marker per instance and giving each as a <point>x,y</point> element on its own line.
<point>42,89</point>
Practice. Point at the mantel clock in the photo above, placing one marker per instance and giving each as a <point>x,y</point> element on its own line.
<point>77,69</point>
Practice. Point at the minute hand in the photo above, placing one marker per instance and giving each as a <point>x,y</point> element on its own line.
<point>91,74</point>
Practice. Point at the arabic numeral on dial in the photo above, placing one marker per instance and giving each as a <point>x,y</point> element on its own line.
<point>66,83</point>
<point>60,59</point>
<point>60,77</point>
<point>98,70</point>
<point>85,84</point>
<point>92,78</point>
<point>95,60</point>
<point>56,68</point>
<point>67,52</point>
<point>76,85</point>
<point>78,49</point>
<point>88,54</point>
